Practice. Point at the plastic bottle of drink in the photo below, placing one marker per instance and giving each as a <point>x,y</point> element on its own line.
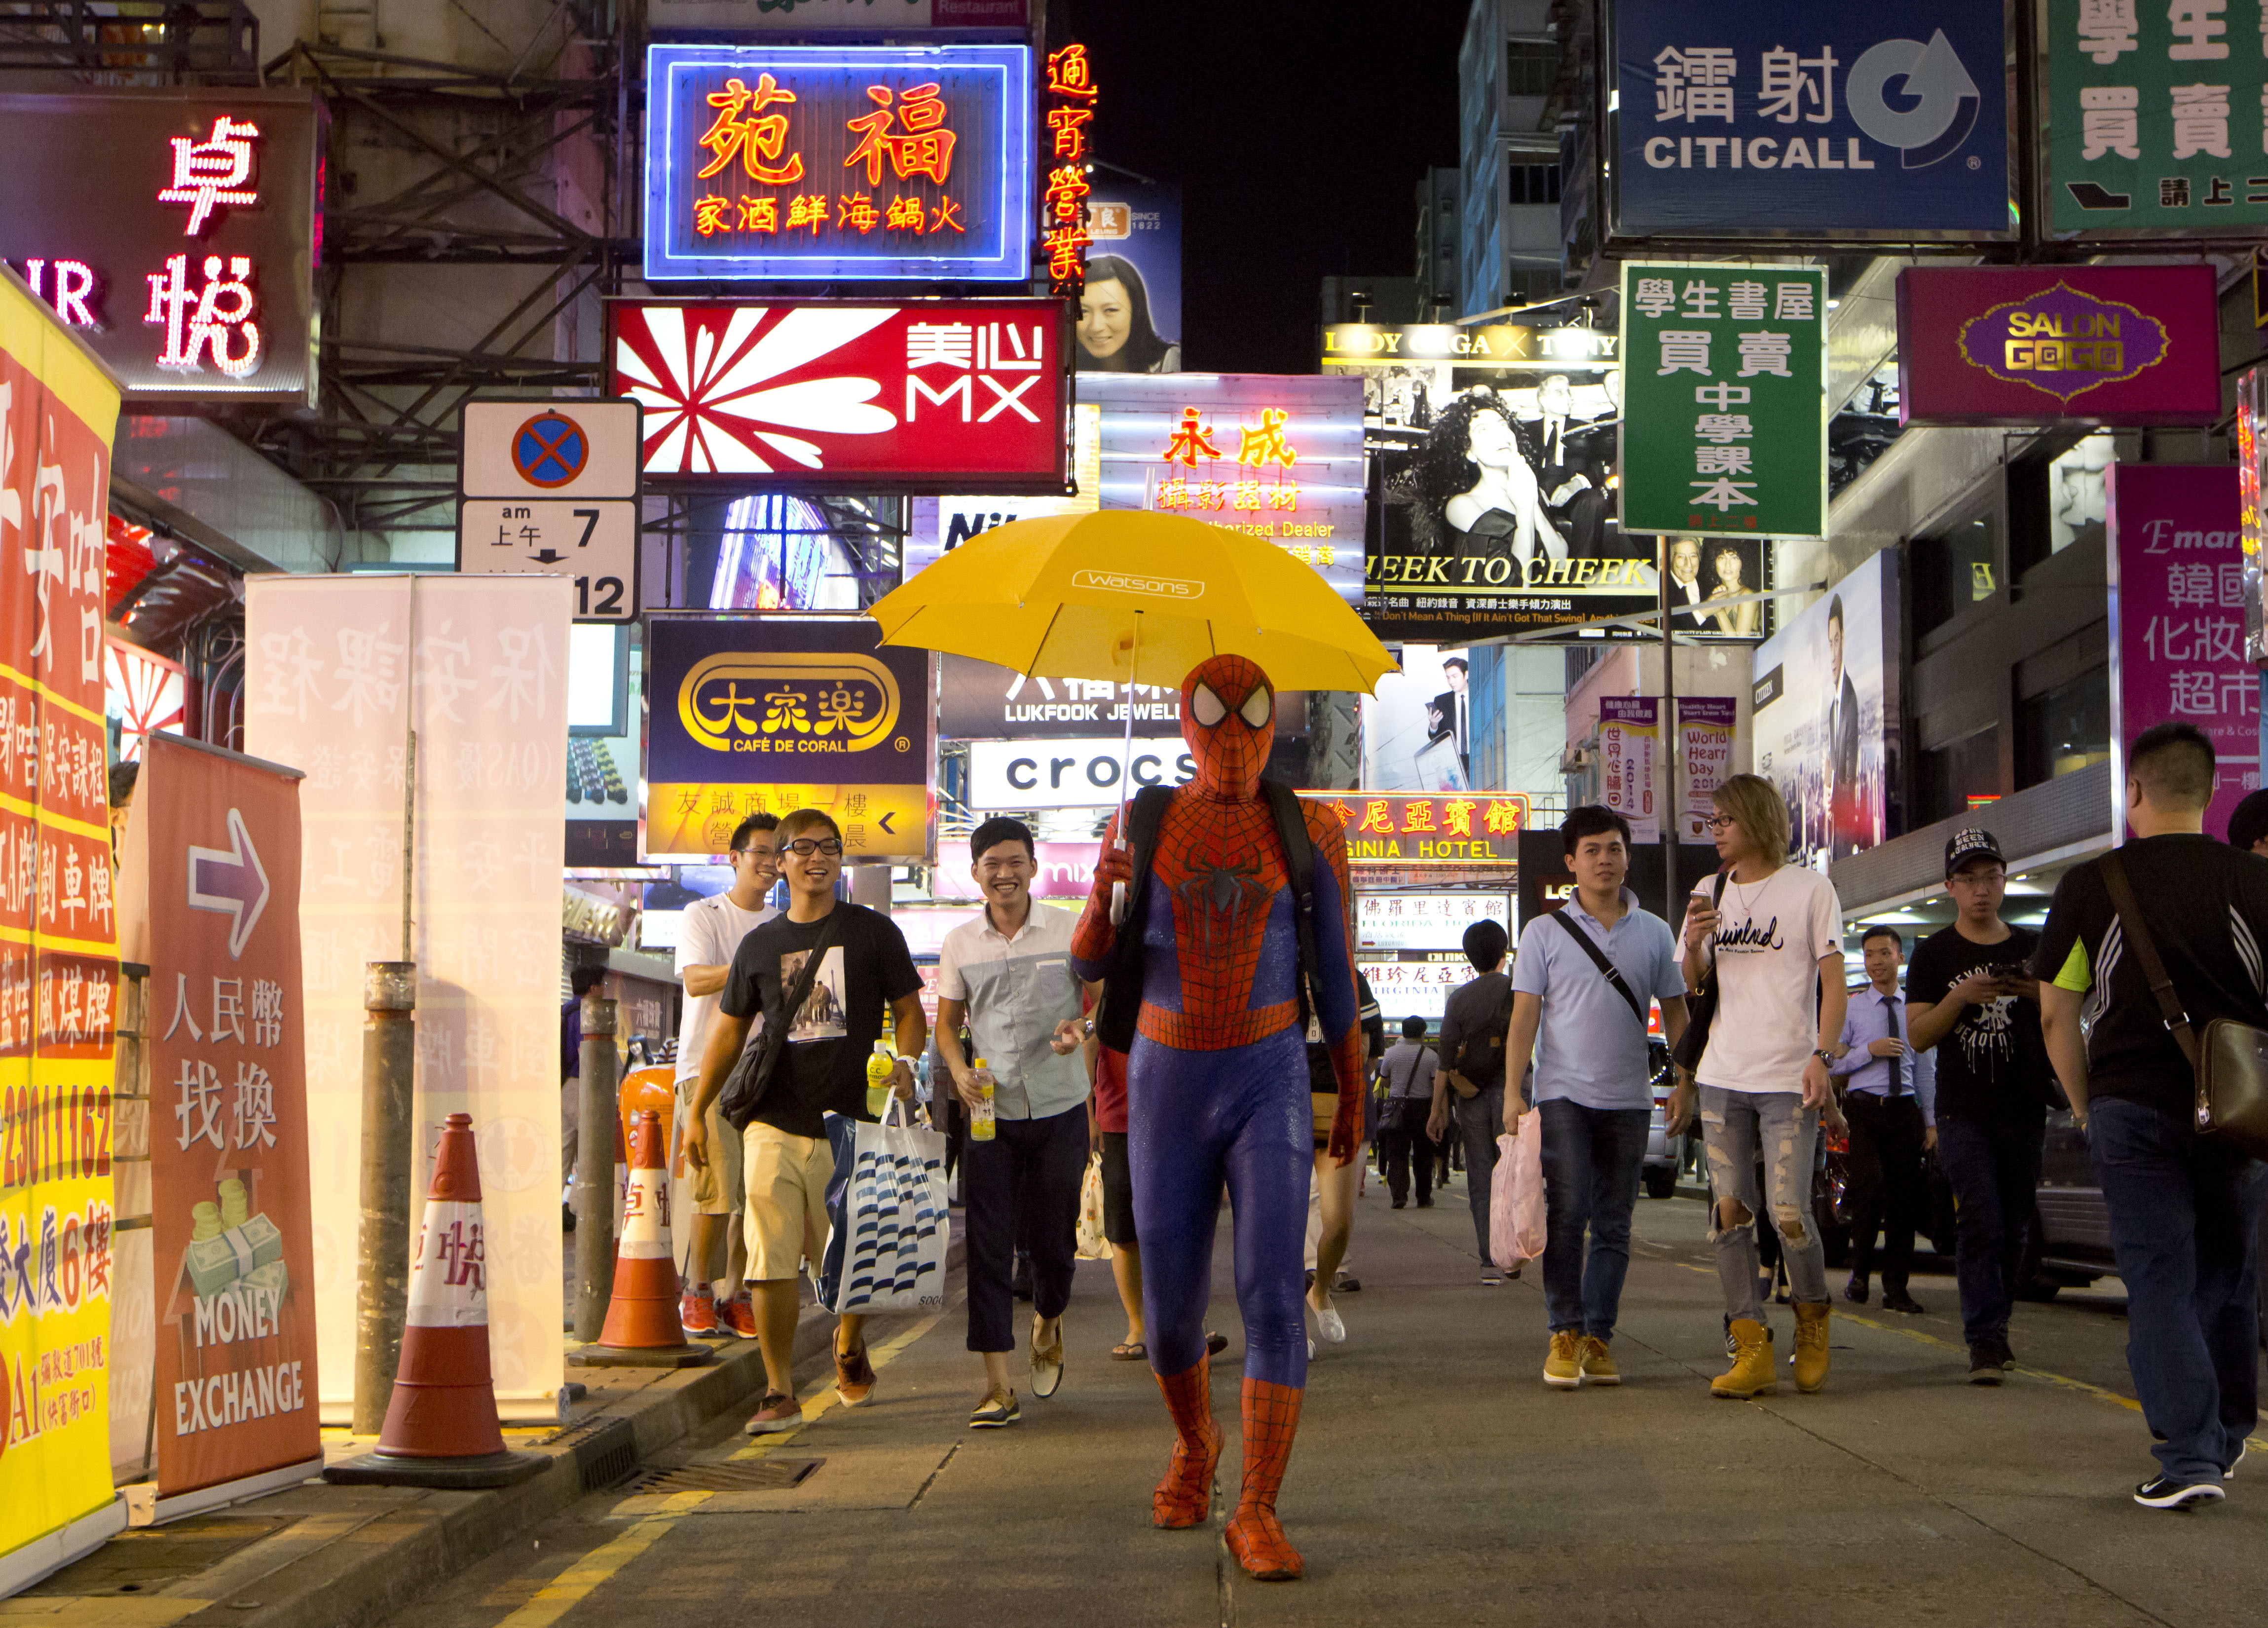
<point>980,1117</point>
<point>880,1067</point>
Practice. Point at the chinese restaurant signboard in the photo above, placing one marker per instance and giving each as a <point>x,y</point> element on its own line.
<point>2152,107</point>
<point>814,163</point>
<point>1725,399</point>
<point>1457,827</point>
<point>759,714</point>
<point>2121,345</point>
<point>185,255</point>
<point>2177,622</point>
<point>823,396</point>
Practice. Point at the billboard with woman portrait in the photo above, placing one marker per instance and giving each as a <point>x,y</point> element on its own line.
<point>1129,312</point>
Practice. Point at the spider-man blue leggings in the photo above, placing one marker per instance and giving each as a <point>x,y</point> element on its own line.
<point>1196,1119</point>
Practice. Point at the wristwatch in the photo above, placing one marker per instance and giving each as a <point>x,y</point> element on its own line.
<point>1824,1055</point>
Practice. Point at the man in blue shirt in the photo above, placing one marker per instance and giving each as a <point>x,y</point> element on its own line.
<point>1593,1081</point>
<point>1889,1094</point>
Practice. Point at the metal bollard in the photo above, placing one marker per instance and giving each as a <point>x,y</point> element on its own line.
<point>390,1065</point>
<point>594,1169</point>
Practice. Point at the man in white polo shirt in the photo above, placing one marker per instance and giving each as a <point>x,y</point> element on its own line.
<point>1009,975</point>
<point>711,930</point>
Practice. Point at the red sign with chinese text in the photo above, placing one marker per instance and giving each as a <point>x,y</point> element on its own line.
<point>1071,90</point>
<point>1449,828</point>
<point>832,394</point>
<point>232,1236</point>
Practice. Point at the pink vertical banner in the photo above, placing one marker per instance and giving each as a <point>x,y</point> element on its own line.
<point>2177,572</point>
<point>1630,745</point>
<point>1705,749</point>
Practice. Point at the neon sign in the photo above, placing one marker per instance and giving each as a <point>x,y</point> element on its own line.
<point>1072,95</point>
<point>808,163</point>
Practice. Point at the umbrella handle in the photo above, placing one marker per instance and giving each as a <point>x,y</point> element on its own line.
<point>1118,903</point>
<point>1118,891</point>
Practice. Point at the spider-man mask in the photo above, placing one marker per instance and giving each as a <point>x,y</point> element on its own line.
<point>1229,718</point>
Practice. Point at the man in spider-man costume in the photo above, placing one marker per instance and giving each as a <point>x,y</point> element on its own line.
<point>1218,1089</point>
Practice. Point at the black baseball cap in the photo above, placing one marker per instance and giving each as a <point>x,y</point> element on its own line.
<point>1973,843</point>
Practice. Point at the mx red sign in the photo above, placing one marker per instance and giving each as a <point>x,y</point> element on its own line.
<point>936,395</point>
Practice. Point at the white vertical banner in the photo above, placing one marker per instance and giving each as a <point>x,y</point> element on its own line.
<point>340,672</point>
<point>1630,745</point>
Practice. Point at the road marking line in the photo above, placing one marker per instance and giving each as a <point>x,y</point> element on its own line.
<point>572,1586</point>
<point>879,1356</point>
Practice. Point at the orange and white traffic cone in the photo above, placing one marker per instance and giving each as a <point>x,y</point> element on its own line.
<point>441,1428</point>
<point>642,1329</point>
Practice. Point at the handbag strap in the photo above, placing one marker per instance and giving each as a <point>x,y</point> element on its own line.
<point>1612,973</point>
<point>2137,933</point>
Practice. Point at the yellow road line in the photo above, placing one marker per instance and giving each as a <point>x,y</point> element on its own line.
<point>879,1355</point>
<point>572,1586</point>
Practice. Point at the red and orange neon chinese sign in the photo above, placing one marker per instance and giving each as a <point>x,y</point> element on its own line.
<point>1071,109</point>
<point>1192,449</point>
<point>864,161</point>
<point>1449,828</point>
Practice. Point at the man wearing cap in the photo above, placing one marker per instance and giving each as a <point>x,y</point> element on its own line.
<point>1970,999</point>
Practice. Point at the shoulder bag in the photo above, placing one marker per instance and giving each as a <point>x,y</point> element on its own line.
<point>2229,1062</point>
<point>751,1074</point>
<point>1701,1009</point>
<point>1607,968</point>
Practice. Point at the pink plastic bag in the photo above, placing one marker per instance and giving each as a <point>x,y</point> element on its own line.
<point>1516,1196</point>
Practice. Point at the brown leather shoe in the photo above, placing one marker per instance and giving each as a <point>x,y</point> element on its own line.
<point>854,1376</point>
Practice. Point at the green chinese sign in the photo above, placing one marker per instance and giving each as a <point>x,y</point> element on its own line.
<point>1724,400</point>
<point>2154,116</point>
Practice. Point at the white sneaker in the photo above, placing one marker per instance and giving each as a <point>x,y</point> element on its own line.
<point>1330,1325</point>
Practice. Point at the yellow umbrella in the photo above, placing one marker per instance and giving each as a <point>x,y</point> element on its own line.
<point>1138,598</point>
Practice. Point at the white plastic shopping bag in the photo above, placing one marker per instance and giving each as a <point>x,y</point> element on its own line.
<point>1516,1196</point>
<point>888,1227</point>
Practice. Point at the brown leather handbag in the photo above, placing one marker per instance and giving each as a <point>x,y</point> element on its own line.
<point>2230,1061</point>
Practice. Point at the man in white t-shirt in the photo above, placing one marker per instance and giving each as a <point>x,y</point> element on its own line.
<point>712,930</point>
<point>1772,934</point>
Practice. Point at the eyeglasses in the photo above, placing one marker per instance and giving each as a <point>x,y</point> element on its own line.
<point>803,847</point>
<point>1719,822</point>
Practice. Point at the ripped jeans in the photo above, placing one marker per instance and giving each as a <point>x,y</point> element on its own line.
<point>1734,1124</point>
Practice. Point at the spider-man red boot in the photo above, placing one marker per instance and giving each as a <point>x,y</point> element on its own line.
<point>1256,1537</point>
<point>1184,1497</point>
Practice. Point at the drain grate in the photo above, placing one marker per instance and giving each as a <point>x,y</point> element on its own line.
<point>608,1455</point>
<point>771,1475</point>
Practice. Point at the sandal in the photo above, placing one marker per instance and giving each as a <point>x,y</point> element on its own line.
<point>1129,1350</point>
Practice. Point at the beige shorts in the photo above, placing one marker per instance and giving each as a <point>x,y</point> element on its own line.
<point>715,1191</point>
<point>787,1217</point>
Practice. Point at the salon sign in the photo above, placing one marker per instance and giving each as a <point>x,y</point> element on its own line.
<point>1724,400</point>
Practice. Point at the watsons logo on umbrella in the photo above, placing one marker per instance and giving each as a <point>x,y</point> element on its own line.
<point>747,702</point>
<point>1132,582</point>
<point>2063,342</point>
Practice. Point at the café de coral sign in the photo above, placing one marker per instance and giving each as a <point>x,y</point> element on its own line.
<point>1446,828</point>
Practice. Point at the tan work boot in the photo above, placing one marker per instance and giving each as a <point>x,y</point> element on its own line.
<point>1751,1373</point>
<point>1599,1363</point>
<point>1563,1364</point>
<point>1810,1346</point>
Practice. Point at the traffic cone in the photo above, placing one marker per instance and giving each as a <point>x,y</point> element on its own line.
<point>642,1329</point>
<point>441,1428</point>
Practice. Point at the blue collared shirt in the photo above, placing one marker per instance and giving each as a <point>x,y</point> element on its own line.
<point>1873,1016</point>
<point>1589,1047</point>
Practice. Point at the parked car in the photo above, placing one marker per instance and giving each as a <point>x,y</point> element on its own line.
<point>1666,1156</point>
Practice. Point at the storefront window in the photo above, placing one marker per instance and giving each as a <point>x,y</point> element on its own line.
<point>2063,729</point>
<point>1955,569</point>
<point>1961,775</point>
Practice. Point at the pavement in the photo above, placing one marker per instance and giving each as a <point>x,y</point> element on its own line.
<point>1436,1478</point>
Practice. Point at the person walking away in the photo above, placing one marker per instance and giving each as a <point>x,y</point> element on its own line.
<point>716,1249</point>
<point>817,1088</point>
<point>1008,973</point>
<point>1773,931</point>
<point>1473,1028</point>
<point>2185,1207</point>
<point>1409,1067</point>
<point>1970,1000</point>
<point>1892,1124</point>
<point>1332,1188</point>
<point>1586,1031</point>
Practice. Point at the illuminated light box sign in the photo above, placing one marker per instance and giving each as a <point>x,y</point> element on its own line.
<point>811,16</point>
<point>184,257</point>
<point>785,164</point>
<point>1424,921</point>
<point>1452,828</point>
<point>819,395</point>
<point>2120,345</point>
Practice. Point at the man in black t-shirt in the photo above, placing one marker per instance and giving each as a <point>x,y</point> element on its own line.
<point>2185,1208</point>
<point>1968,997</point>
<point>793,1139</point>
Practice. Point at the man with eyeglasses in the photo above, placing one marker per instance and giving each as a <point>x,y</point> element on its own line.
<point>819,1082</point>
<point>1969,998</point>
<point>709,1303</point>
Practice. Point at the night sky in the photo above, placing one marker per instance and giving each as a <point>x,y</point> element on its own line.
<point>1298,134</point>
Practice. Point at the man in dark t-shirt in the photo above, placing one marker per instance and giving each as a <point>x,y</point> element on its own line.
<point>2185,1208</point>
<point>1968,998</point>
<point>795,1135</point>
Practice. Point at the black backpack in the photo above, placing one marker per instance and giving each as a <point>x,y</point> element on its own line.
<point>1481,1053</point>
<point>1122,991</point>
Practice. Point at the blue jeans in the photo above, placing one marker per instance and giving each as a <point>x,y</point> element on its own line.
<point>1993,1167</point>
<point>1591,1161</point>
<point>2184,1225</point>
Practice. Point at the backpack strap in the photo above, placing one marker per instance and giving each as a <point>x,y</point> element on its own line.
<point>1299,862</point>
<point>1122,990</point>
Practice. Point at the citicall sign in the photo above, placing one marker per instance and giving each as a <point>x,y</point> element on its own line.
<point>1018,774</point>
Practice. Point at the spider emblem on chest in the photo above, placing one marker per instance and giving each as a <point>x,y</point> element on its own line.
<point>1225,898</point>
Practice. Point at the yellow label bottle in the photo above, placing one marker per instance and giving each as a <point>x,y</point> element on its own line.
<point>980,1117</point>
<point>880,1068</point>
